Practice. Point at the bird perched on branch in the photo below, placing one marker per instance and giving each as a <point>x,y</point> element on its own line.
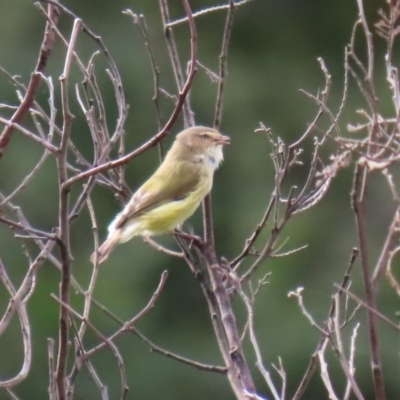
<point>172,193</point>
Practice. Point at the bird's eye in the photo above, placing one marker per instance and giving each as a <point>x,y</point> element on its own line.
<point>204,136</point>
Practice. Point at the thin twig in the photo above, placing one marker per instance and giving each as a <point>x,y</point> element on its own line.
<point>207,11</point>
<point>127,325</point>
<point>368,36</point>
<point>174,56</point>
<point>324,339</point>
<point>18,302</point>
<point>325,373</point>
<point>140,21</point>
<point>110,344</point>
<point>341,352</point>
<point>158,349</point>
<point>44,54</point>
<point>223,64</point>
<point>391,242</point>
<point>253,338</point>
<point>164,131</point>
<point>371,310</point>
<point>48,146</point>
<point>28,229</point>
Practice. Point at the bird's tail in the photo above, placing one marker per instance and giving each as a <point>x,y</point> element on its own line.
<point>106,248</point>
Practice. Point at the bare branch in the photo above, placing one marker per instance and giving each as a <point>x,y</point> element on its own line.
<point>223,64</point>
<point>358,204</point>
<point>64,232</point>
<point>131,322</point>
<point>207,11</point>
<point>44,54</point>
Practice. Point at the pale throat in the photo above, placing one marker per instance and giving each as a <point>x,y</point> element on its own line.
<point>211,159</point>
<point>214,157</point>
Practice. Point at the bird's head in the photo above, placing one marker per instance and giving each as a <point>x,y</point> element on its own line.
<point>203,144</point>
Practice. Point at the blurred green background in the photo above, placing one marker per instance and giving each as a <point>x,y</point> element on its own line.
<point>273,53</point>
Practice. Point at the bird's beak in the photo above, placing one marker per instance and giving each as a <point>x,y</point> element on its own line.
<point>223,140</point>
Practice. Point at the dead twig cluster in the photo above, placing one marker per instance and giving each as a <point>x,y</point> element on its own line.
<point>371,146</point>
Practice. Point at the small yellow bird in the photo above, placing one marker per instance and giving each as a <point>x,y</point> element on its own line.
<point>172,193</point>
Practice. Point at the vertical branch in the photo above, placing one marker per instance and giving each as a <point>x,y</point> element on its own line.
<point>64,241</point>
<point>140,22</point>
<point>358,197</point>
<point>207,205</point>
<point>238,371</point>
<point>174,56</point>
<point>368,37</point>
<point>208,225</point>
<point>224,320</point>
<point>219,302</point>
<point>223,64</point>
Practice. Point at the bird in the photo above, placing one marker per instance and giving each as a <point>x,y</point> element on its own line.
<point>173,193</point>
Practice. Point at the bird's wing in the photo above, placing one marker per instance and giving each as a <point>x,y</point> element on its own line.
<point>162,187</point>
